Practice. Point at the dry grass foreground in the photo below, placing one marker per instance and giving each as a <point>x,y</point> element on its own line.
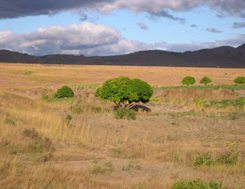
<point>78,144</point>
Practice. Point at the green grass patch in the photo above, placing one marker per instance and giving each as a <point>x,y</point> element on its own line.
<point>227,158</point>
<point>87,86</point>
<point>220,104</point>
<point>239,102</point>
<point>155,100</point>
<point>197,184</point>
<point>203,87</point>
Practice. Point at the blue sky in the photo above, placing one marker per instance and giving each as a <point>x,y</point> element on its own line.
<point>117,28</point>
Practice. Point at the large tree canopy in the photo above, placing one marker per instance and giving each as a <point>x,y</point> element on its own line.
<point>124,91</point>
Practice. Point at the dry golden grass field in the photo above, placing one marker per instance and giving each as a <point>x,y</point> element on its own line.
<point>77,143</point>
<point>19,75</point>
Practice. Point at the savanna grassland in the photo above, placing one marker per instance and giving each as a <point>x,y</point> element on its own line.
<point>77,143</point>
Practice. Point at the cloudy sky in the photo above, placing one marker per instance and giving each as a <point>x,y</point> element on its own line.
<point>108,27</point>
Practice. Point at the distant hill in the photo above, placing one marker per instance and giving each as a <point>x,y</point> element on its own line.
<point>223,57</point>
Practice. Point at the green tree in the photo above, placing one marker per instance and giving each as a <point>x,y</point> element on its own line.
<point>64,92</point>
<point>125,92</point>
<point>240,80</point>
<point>205,80</point>
<point>188,80</point>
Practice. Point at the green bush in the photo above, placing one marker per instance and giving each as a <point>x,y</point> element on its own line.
<point>68,118</point>
<point>203,159</point>
<point>64,92</point>
<point>188,80</point>
<point>124,91</point>
<point>240,80</point>
<point>122,113</point>
<point>197,184</point>
<point>205,80</point>
<point>227,158</point>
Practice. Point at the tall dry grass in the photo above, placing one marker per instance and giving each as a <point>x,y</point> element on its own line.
<point>164,142</point>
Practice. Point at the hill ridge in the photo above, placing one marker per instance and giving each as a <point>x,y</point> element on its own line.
<point>223,56</point>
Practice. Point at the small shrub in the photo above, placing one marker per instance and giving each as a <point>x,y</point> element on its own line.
<point>122,113</point>
<point>240,80</point>
<point>203,159</point>
<point>188,80</point>
<point>64,92</point>
<point>68,118</point>
<point>197,184</point>
<point>205,80</point>
<point>201,102</point>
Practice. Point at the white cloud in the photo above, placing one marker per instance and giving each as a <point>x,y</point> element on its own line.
<point>182,47</point>
<point>85,38</point>
<point>91,39</point>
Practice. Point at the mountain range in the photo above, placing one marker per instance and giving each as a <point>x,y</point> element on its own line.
<point>223,57</point>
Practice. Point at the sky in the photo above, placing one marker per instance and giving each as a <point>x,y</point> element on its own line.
<point>111,27</point>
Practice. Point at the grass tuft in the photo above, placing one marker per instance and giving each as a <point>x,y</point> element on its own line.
<point>197,184</point>
<point>227,158</point>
